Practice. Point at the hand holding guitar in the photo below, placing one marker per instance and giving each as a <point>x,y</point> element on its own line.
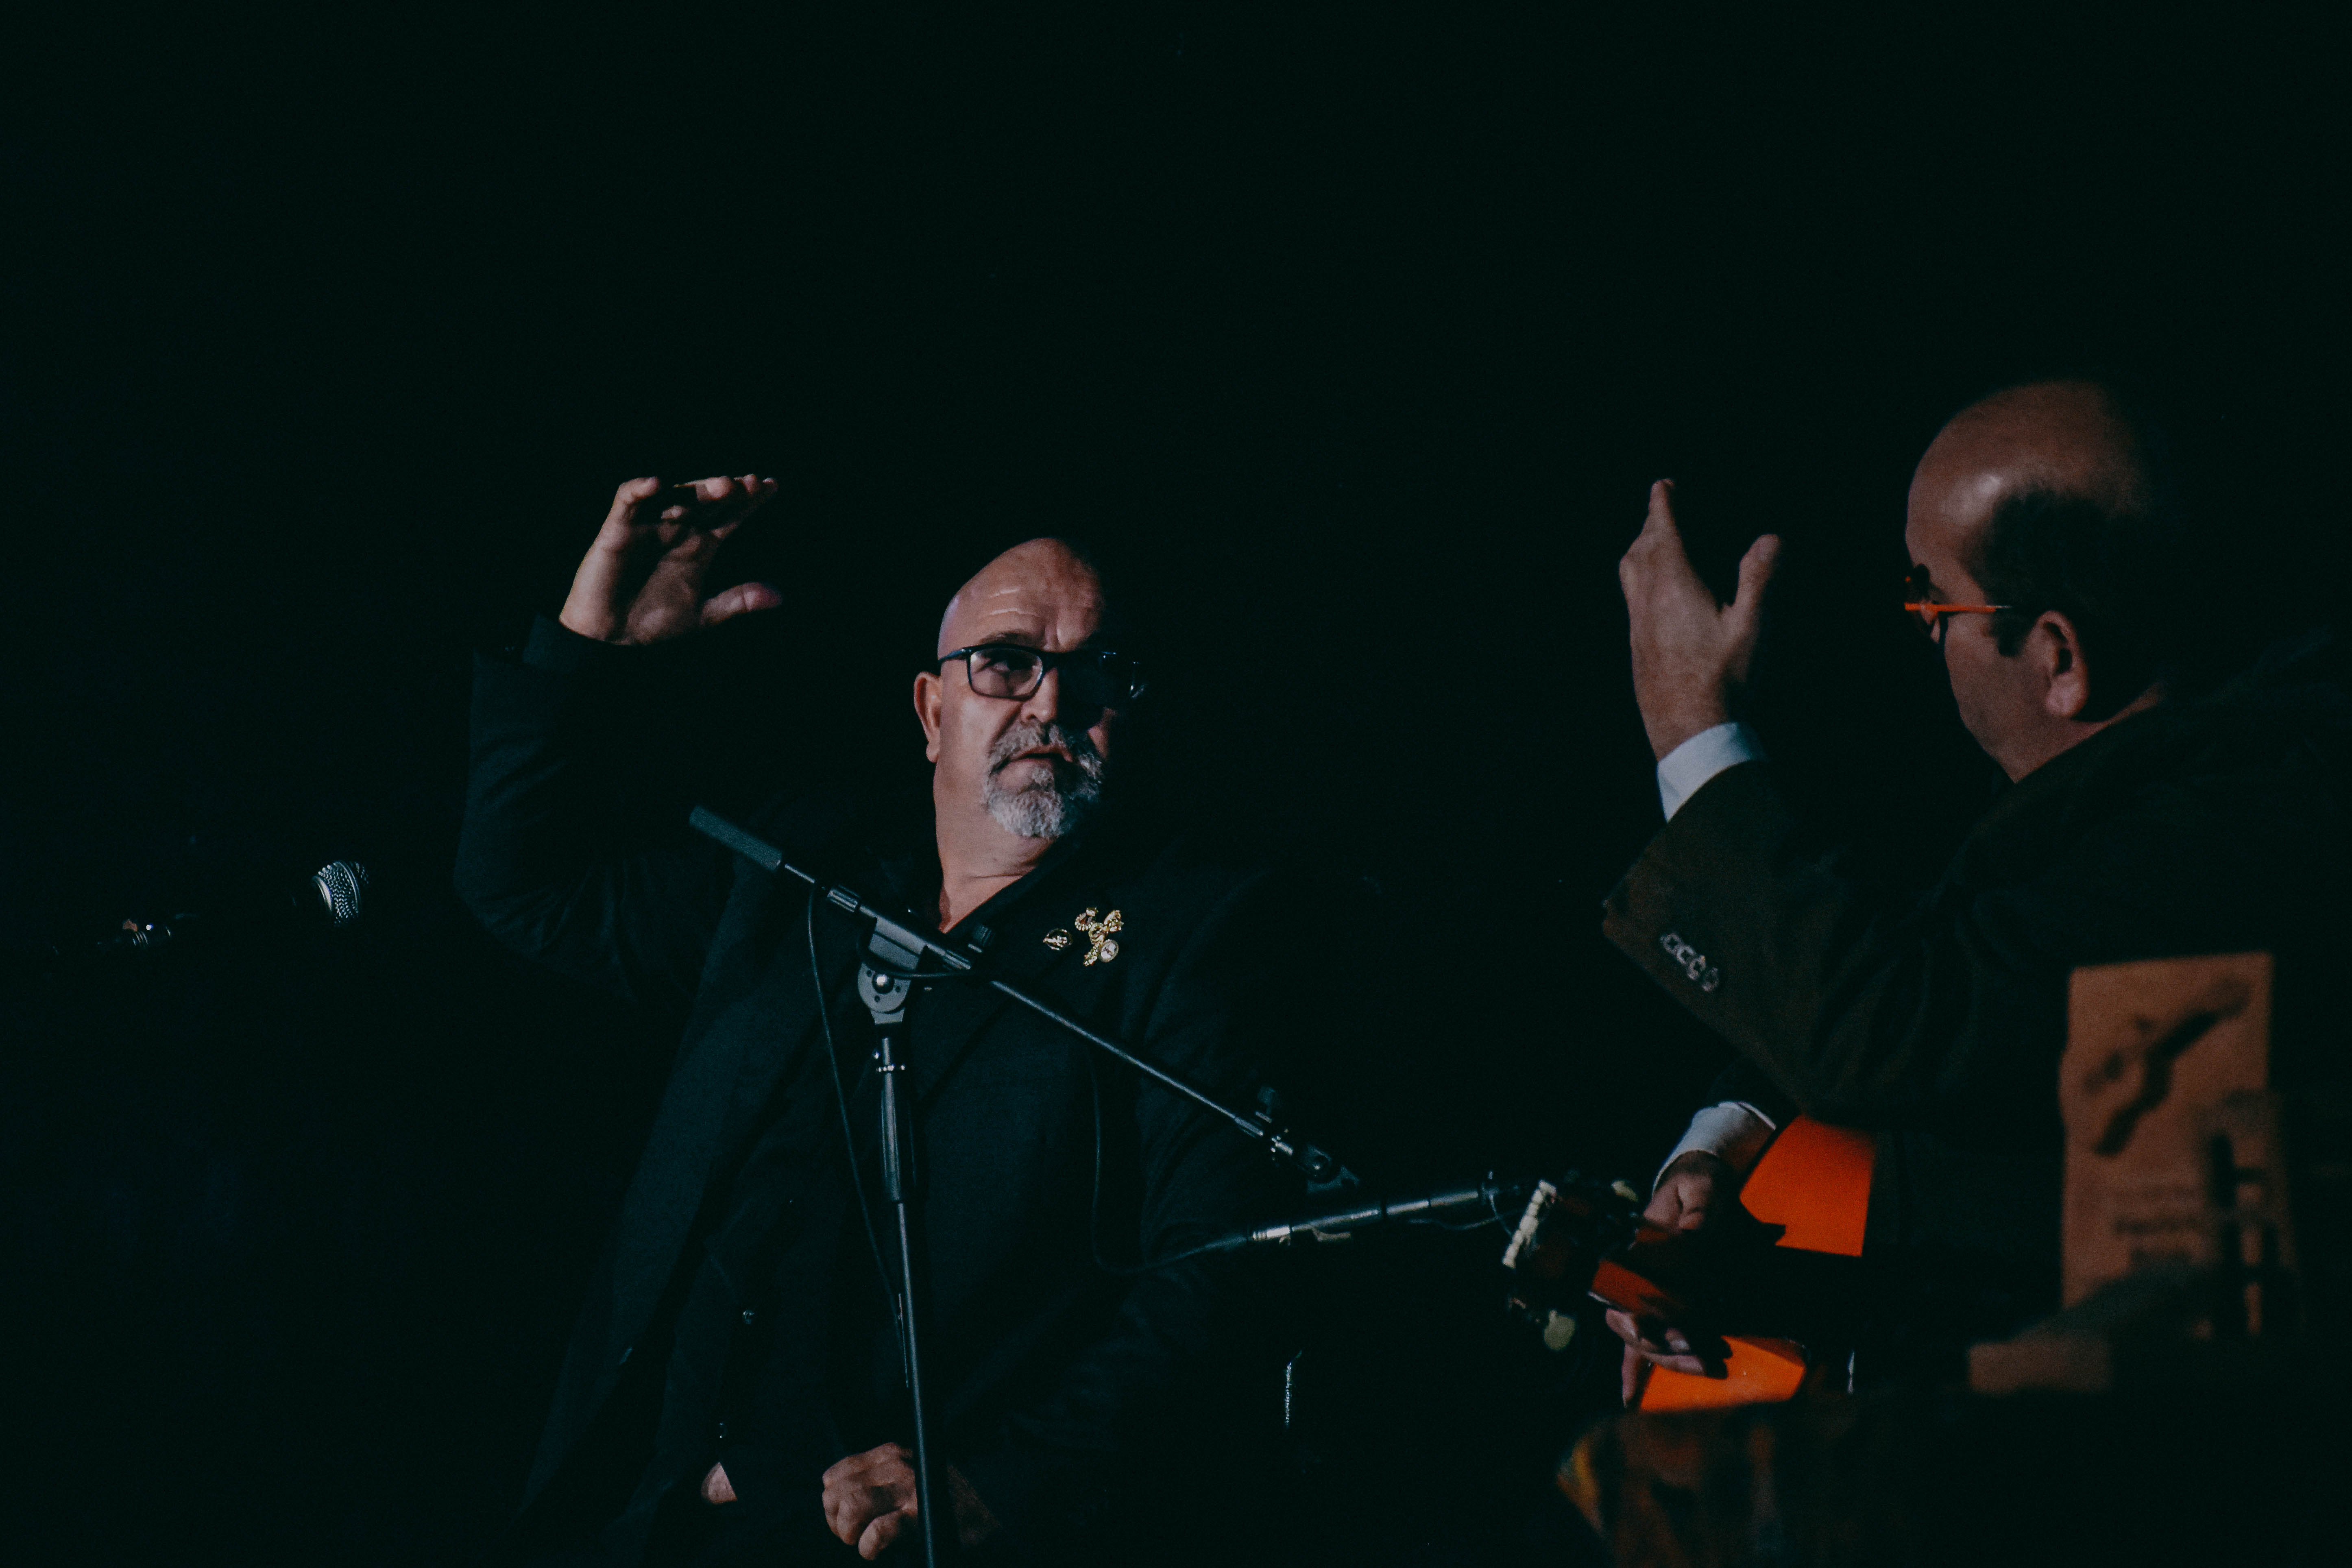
<point>1694,1191</point>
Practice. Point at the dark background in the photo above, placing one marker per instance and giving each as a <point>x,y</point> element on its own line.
<point>1361,330</point>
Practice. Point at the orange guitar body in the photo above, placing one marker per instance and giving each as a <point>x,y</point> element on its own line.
<point>1814,1182</point>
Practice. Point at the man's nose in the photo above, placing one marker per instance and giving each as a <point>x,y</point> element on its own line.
<point>1044,705</point>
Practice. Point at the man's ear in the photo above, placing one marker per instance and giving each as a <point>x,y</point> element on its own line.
<point>2066,678</point>
<point>930,697</point>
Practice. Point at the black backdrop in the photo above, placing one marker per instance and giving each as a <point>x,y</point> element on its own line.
<point>1362,329</point>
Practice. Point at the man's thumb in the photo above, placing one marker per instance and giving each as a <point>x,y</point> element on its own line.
<point>739,600</point>
<point>1755,574</point>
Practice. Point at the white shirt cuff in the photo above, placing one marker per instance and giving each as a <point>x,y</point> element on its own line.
<point>1691,764</point>
<point>1734,1131</point>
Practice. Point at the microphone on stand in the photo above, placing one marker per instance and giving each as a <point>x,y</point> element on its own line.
<point>1486,1199</point>
<point>331,898</point>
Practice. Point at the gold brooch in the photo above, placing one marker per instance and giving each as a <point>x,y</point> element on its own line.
<point>1098,934</point>
<point>1057,938</point>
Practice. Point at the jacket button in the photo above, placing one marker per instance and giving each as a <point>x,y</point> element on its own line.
<point>748,1316</point>
<point>722,1431</point>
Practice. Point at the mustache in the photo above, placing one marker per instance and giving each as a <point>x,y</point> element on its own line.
<point>1034,736</point>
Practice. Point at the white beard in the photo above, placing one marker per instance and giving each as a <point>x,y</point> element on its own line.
<point>1048,807</point>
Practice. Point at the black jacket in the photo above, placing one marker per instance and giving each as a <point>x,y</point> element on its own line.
<point>1054,1384</point>
<point>1936,1019</point>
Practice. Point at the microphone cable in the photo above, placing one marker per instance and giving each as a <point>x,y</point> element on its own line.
<point>840,1099</point>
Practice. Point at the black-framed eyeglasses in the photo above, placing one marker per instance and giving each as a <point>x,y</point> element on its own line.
<point>1919,598</point>
<point>1012,671</point>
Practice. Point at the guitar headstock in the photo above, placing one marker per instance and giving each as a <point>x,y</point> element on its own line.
<point>1569,1227</point>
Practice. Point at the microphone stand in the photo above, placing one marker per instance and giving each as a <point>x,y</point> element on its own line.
<point>895,954</point>
<point>885,995</point>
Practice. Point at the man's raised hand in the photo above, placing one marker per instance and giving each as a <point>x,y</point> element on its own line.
<point>642,580</point>
<point>1690,654</point>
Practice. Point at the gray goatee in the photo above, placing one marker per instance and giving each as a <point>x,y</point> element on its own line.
<point>1057,801</point>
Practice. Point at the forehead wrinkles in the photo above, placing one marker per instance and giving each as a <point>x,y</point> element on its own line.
<point>1056,609</point>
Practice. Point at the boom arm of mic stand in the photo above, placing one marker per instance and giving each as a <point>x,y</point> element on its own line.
<point>1314,1164</point>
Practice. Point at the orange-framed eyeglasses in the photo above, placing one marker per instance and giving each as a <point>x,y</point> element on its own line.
<point>1919,599</point>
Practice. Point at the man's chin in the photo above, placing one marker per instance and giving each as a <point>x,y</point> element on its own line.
<point>1023,774</point>
<point>1040,811</point>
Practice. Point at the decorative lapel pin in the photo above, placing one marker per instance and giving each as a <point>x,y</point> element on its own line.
<point>1102,949</point>
<point>1057,938</point>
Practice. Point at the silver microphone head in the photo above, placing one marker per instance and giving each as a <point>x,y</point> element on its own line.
<point>342,888</point>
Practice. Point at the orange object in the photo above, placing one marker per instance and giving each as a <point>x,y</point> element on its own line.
<point>1755,1372</point>
<point>1814,1183</point>
<point>1814,1180</point>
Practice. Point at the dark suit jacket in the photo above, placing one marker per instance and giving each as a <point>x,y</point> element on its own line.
<point>1051,1382</point>
<point>1935,1019</point>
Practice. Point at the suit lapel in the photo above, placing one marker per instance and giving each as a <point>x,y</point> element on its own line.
<point>1018,954</point>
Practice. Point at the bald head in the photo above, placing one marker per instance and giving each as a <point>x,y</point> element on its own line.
<point>2044,503</point>
<point>2062,438</point>
<point>1041,594</point>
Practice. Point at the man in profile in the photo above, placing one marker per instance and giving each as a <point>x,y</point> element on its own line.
<point>2150,814</point>
<point>734,1389</point>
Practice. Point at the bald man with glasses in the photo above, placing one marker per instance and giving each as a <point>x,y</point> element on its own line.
<point>2152,812</point>
<point>735,1391</point>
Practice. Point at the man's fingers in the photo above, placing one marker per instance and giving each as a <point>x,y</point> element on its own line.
<point>628,508</point>
<point>1755,574</point>
<point>1659,527</point>
<point>756,493</point>
<point>1649,1338</point>
<point>722,488</point>
<point>1676,1353</point>
<point>739,600</point>
<point>863,1490</point>
<point>851,1506</point>
<point>1656,556</point>
<point>882,1532</point>
<point>721,505</point>
<point>1745,616</point>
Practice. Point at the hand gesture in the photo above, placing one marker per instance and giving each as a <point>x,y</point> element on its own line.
<point>1690,654</point>
<point>642,581</point>
<point>1696,1189</point>
<point>870,1497</point>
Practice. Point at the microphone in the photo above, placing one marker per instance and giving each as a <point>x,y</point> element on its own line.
<point>1486,1199</point>
<point>331,898</point>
